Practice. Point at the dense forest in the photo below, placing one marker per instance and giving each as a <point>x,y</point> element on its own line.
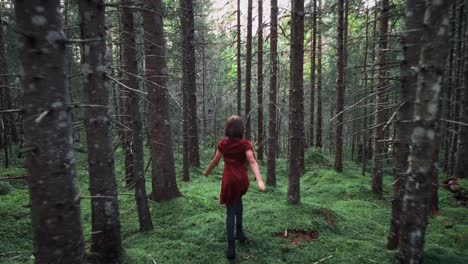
<point>357,111</point>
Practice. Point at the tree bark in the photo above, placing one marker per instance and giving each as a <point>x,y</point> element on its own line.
<point>248,72</point>
<point>54,194</point>
<point>404,126</point>
<point>434,51</point>
<point>164,185</point>
<point>131,68</point>
<point>318,140</point>
<point>260,131</point>
<point>296,101</point>
<point>189,78</point>
<point>382,85</point>
<point>461,166</point>
<point>6,119</point>
<point>272,107</point>
<point>313,56</point>
<point>239,55</point>
<point>366,77</point>
<point>456,94</point>
<point>339,92</point>
<point>106,242</point>
<point>448,91</point>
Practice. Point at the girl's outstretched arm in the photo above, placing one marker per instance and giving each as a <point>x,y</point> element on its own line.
<point>213,163</point>
<point>255,169</point>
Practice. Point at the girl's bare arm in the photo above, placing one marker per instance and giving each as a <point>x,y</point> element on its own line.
<point>213,163</point>
<point>255,169</point>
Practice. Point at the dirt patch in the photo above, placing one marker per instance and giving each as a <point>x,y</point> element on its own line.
<point>297,237</point>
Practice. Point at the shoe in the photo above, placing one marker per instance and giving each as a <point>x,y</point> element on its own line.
<point>241,237</point>
<point>231,252</point>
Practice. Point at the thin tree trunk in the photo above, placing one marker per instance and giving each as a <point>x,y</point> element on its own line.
<point>296,102</point>
<point>189,78</point>
<point>5,118</point>
<point>434,52</point>
<point>188,86</point>
<point>272,107</point>
<point>106,242</point>
<point>185,138</point>
<point>366,76</point>
<point>318,140</point>
<point>339,92</point>
<point>239,55</point>
<point>54,194</point>
<point>382,83</point>
<point>404,126</point>
<point>130,80</point>
<point>345,64</point>
<point>164,185</point>
<point>313,57</point>
<point>248,72</point>
<point>203,50</point>
<point>260,131</point>
<point>456,94</point>
<point>123,107</point>
<point>448,91</point>
<point>461,166</point>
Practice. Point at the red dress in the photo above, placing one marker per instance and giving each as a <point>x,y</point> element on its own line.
<point>235,181</point>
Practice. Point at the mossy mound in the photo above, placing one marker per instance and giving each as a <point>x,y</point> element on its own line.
<point>5,188</point>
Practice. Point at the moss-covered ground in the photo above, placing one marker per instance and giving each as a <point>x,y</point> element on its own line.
<point>351,222</point>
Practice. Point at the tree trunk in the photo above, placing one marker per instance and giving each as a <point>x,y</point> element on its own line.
<point>434,51</point>
<point>239,55</point>
<point>164,185</point>
<point>434,190</point>
<point>456,94</point>
<point>318,140</point>
<point>363,147</point>
<point>260,131</point>
<point>123,116</point>
<point>272,107</point>
<point>339,92</point>
<point>313,56</point>
<point>382,86</point>
<point>248,71</point>
<point>204,83</point>
<point>461,166</point>
<point>296,101</point>
<point>131,72</point>
<point>185,137</point>
<point>189,78</point>
<point>448,91</point>
<point>404,126</point>
<point>5,118</point>
<point>106,243</point>
<point>50,160</point>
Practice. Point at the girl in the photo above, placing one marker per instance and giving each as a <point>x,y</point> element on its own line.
<point>236,152</point>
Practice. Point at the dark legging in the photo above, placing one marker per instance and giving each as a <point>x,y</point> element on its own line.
<point>234,213</point>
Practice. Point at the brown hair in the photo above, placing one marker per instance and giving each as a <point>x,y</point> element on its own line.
<point>234,127</point>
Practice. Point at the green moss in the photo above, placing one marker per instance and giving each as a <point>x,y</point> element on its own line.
<point>463,184</point>
<point>5,188</point>
<point>351,221</point>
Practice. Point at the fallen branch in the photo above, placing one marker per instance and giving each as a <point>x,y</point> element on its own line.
<point>322,260</point>
<point>13,178</point>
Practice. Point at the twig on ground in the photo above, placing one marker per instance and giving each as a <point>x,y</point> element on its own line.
<point>322,260</point>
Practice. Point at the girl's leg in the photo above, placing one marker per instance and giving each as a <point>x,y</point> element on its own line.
<point>239,229</point>
<point>230,218</point>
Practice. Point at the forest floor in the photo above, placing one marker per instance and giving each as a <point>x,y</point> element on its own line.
<point>339,220</point>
